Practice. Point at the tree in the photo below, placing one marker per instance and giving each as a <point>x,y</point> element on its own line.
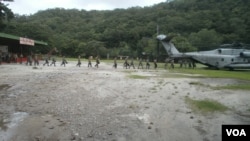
<point>95,48</point>
<point>205,39</point>
<point>5,15</point>
<point>182,44</point>
<point>81,49</point>
<point>199,24</point>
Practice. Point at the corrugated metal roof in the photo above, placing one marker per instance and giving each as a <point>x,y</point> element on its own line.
<point>9,36</point>
<point>13,37</point>
<point>41,43</point>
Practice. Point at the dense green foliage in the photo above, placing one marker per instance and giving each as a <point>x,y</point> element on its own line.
<point>196,24</point>
<point>5,15</point>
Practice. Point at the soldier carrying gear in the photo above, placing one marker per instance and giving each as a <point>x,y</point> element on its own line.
<point>132,63</point>
<point>79,61</point>
<point>89,63</point>
<point>46,61</point>
<point>53,61</point>
<point>147,64</point>
<point>36,61</point>
<point>29,60</point>
<point>21,58</point>
<point>115,63</point>
<point>97,61</point>
<point>166,63</point>
<point>172,63</point>
<point>126,64</point>
<point>155,63</point>
<point>140,64</point>
<point>64,61</point>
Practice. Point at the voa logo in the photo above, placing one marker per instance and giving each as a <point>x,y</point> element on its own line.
<point>236,132</point>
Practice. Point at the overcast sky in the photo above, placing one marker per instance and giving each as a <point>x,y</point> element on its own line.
<point>28,7</point>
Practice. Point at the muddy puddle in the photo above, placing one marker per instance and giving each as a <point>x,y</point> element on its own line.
<point>4,86</point>
<point>7,126</point>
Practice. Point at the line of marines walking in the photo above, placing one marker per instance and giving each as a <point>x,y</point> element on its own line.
<point>128,62</point>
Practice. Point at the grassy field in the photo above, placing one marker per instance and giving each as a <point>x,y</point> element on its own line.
<point>137,76</point>
<point>235,87</point>
<point>200,69</point>
<point>205,106</point>
<point>242,75</point>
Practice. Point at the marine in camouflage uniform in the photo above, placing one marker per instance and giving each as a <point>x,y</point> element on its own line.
<point>193,64</point>
<point>64,61</point>
<point>46,61</point>
<point>29,60</point>
<point>79,61</point>
<point>132,63</point>
<point>89,62</point>
<point>97,61</point>
<point>36,61</point>
<point>115,63</point>
<point>21,58</point>
<point>53,61</point>
<point>140,64</point>
<point>126,64</point>
<point>155,63</point>
<point>172,63</point>
<point>147,64</point>
<point>166,63</point>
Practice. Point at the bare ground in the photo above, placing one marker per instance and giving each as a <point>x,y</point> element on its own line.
<point>90,104</point>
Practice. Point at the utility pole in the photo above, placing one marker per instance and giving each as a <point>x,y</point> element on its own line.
<point>158,43</point>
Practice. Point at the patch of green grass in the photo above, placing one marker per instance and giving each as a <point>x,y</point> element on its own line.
<point>137,77</point>
<point>153,89</point>
<point>4,86</point>
<point>235,87</point>
<point>230,87</point>
<point>205,106</point>
<point>242,75</point>
<point>172,75</point>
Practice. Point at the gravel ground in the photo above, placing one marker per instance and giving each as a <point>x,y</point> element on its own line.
<point>90,104</point>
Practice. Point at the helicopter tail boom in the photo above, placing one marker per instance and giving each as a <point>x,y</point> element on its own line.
<point>169,47</point>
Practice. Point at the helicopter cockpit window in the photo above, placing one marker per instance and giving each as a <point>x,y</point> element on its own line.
<point>222,59</point>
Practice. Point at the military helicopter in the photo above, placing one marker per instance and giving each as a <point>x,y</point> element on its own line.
<point>230,58</point>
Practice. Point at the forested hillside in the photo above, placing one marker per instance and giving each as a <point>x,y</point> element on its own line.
<point>196,24</point>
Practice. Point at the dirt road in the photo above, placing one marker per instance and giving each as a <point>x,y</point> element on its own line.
<point>90,104</point>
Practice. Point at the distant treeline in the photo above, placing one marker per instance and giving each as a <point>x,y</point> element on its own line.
<point>196,25</point>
